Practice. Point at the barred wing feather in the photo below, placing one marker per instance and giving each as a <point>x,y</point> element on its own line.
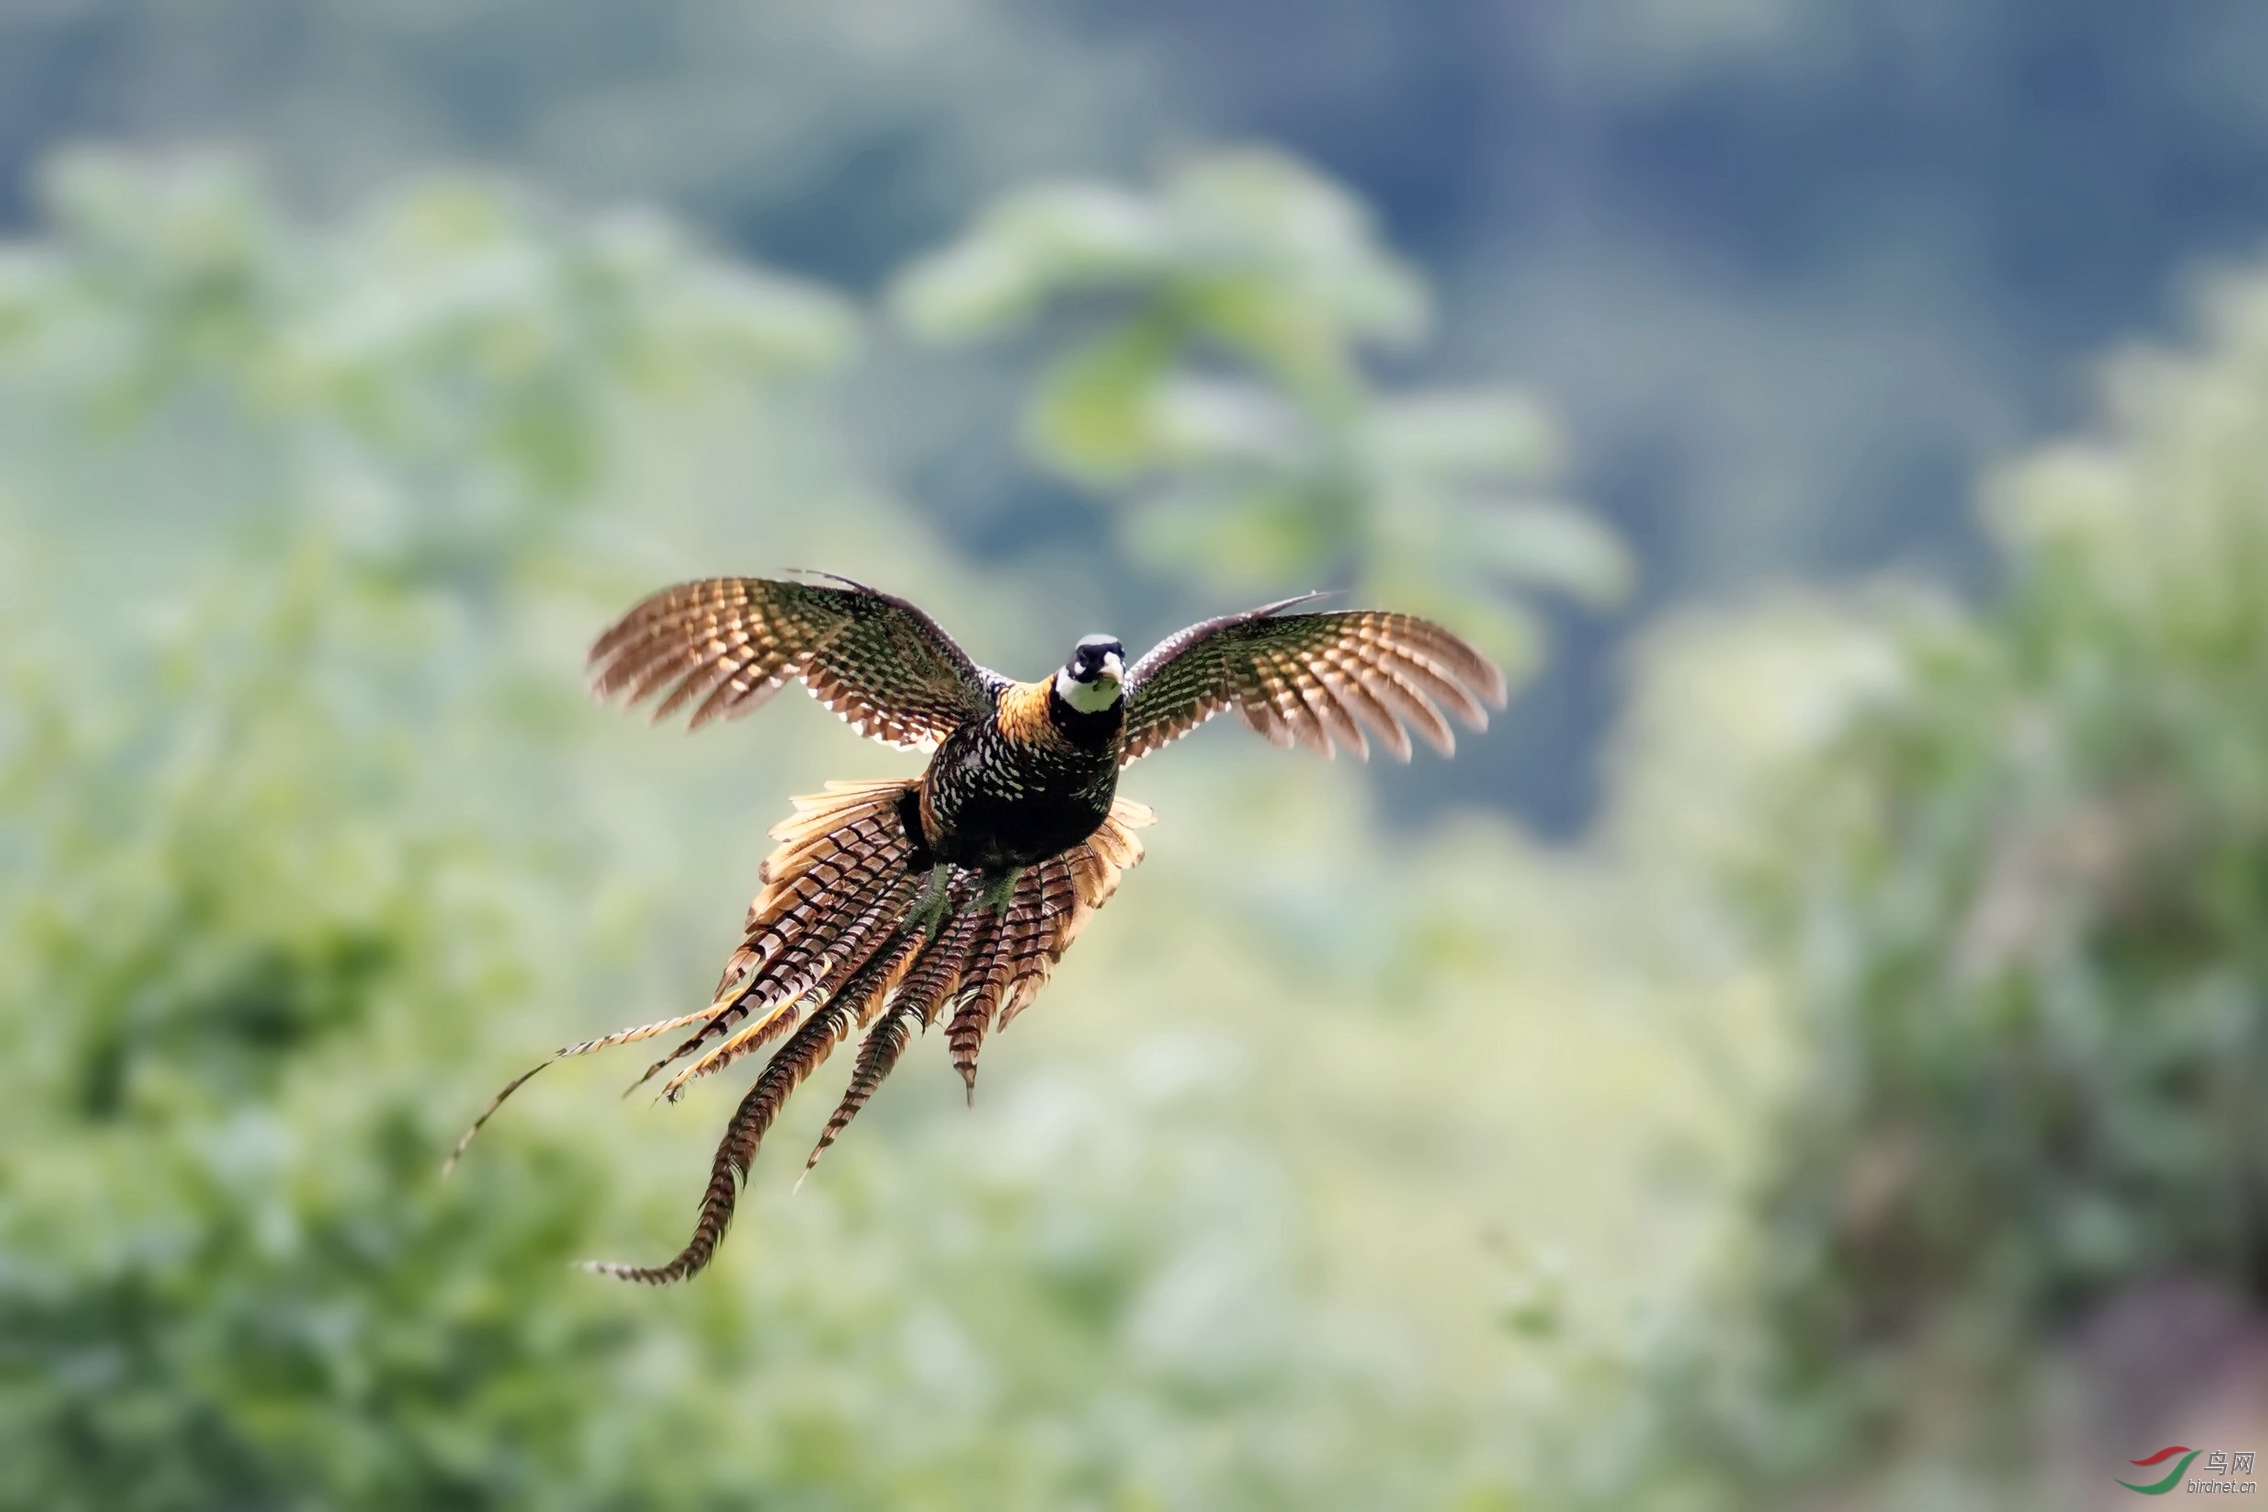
<point>1321,680</point>
<point>725,645</point>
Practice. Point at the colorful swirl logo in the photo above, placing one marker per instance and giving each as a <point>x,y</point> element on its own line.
<point>2173,1476</point>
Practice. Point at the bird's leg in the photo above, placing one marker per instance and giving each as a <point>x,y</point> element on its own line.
<point>929,910</point>
<point>998,890</point>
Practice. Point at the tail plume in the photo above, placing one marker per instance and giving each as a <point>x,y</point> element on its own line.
<point>935,975</point>
<point>839,942</point>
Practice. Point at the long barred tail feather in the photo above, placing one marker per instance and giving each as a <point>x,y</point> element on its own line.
<point>840,850</point>
<point>818,939</point>
<point>842,855</point>
<point>833,966</point>
<point>603,1042</point>
<point>803,1054</point>
<point>1051,903</point>
<point>964,1033</point>
<point>839,942</point>
<point>935,977</point>
<point>466,1138</point>
<point>812,876</point>
<point>1058,915</point>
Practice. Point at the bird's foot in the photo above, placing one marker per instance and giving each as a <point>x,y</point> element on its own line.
<point>998,890</point>
<point>929,911</point>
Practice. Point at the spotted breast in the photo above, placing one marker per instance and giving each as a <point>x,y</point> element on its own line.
<point>1034,779</point>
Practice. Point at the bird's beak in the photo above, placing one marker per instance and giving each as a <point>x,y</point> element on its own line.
<point>1114,667</point>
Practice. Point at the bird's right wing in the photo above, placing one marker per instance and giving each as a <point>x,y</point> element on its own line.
<point>731,643</point>
<point>1314,678</point>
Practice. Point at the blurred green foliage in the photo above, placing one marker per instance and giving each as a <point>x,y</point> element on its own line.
<point>1902,1014</point>
<point>2009,876</point>
<point>1215,389</point>
<point>2028,935</point>
<point>272,864</point>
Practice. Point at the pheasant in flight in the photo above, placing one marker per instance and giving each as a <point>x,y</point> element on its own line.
<point>890,905</point>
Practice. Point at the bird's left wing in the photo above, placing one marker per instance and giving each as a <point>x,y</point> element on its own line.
<point>1315,678</point>
<point>731,643</point>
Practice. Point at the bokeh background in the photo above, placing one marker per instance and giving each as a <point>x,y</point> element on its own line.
<point>1809,1054</point>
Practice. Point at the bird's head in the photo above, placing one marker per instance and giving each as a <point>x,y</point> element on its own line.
<point>1094,678</point>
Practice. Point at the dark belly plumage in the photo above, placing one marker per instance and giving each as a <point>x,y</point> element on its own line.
<point>998,804</point>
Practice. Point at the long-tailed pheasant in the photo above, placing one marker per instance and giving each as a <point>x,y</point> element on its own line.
<point>891,905</point>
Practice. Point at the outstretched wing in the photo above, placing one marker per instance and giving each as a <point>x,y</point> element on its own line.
<point>1316,678</point>
<point>731,643</point>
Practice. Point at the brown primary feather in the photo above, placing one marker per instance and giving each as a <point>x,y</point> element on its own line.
<point>1312,679</point>
<point>726,645</point>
